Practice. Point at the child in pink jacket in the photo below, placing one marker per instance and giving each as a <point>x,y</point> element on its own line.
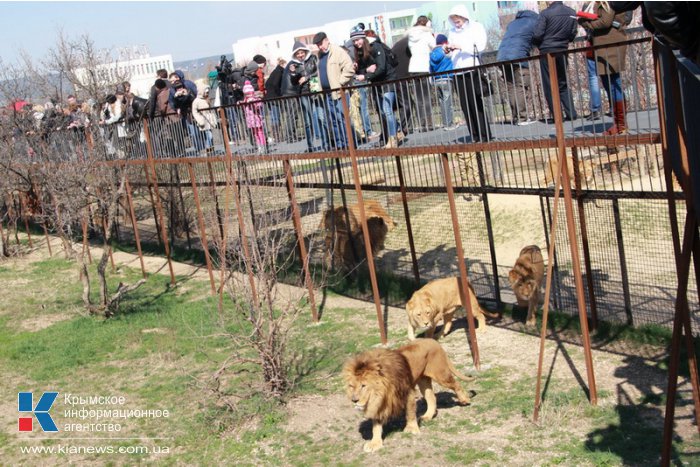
<point>253,116</point>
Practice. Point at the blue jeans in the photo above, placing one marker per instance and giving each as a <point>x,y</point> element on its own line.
<point>593,85</point>
<point>613,87</point>
<point>364,111</point>
<point>334,110</point>
<point>314,121</point>
<point>194,135</point>
<point>388,102</point>
<point>444,91</point>
<point>232,123</point>
<point>207,137</point>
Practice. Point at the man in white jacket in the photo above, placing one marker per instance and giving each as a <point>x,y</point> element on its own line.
<point>421,43</point>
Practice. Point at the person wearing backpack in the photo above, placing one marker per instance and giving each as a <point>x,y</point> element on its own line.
<point>373,63</point>
<point>421,43</point>
<point>182,94</point>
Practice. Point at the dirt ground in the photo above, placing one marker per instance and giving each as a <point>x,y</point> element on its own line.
<point>624,374</point>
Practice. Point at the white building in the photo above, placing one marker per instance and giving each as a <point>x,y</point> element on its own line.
<point>389,26</point>
<point>139,70</point>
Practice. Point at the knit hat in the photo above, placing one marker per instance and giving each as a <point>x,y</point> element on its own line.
<point>259,59</point>
<point>441,39</point>
<point>248,88</point>
<point>318,38</point>
<point>357,34</point>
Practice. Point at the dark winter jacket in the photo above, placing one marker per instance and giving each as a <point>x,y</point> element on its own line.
<point>307,69</point>
<point>180,103</point>
<point>273,85</point>
<point>517,41</point>
<point>678,23</point>
<point>286,86</point>
<point>403,55</point>
<point>555,28</point>
<point>384,71</point>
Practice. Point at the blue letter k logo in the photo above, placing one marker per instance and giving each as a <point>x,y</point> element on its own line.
<point>25,404</point>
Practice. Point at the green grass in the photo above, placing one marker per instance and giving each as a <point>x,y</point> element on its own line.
<point>164,343</point>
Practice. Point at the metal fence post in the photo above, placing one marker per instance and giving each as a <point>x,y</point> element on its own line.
<point>363,218</point>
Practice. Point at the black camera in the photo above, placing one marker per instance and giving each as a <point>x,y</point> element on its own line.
<point>225,68</point>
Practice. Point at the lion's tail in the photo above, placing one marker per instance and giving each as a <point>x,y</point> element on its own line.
<point>457,373</point>
<point>489,314</point>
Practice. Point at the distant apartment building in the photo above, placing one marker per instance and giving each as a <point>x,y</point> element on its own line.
<point>135,65</point>
<point>390,27</point>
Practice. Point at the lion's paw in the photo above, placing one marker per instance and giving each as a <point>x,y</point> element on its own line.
<point>371,446</point>
<point>412,428</point>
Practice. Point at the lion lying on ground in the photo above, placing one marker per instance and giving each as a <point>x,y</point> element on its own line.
<point>348,248</point>
<point>438,300</point>
<point>526,278</point>
<point>380,382</point>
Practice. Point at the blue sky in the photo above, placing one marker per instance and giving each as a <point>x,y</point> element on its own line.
<point>184,29</point>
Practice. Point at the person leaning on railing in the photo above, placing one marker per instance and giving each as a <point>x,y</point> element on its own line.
<point>421,43</point>
<point>608,29</point>
<point>556,28</point>
<point>465,37</point>
<point>373,65</point>
<point>517,43</point>
<point>304,80</point>
<point>440,61</point>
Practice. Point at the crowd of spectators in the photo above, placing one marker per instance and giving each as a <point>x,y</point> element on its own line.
<point>182,114</point>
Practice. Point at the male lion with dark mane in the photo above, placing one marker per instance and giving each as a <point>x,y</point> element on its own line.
<point>344,238</point>
<point>526,279</point>
<point>380,382</point>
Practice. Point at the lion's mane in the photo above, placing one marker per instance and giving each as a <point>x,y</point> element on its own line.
<point>387,376</point>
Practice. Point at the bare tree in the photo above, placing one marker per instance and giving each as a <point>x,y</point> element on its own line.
<point>262,311</point>
<point>62,156</point>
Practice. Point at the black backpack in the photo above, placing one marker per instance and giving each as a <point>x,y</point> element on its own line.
<point>391,57</point>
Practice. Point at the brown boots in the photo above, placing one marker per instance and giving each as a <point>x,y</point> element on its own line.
<point>620,123</point>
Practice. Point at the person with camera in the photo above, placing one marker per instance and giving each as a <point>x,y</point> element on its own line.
<point>608,29</point>
<point>182,94</point>
<point>304,81</point>
<point>441,61</point>
<point>465,37</point>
